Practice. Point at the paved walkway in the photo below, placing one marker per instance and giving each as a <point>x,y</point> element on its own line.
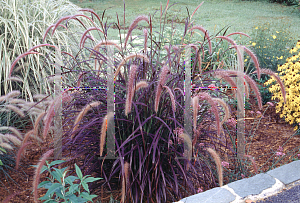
<point>278,185</point>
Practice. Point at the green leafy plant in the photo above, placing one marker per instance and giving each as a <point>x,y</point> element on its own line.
<point>69,189</point>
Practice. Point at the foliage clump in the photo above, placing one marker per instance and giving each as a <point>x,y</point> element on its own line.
<point>289,73</point>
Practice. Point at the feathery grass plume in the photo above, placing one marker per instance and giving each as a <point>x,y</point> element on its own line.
<point>199,57</point>
<point>51,111</point>
<point>171,97</point>
<point>38,169</point>
<point>145,41</point>
<point>40,45</point>
<point>226,109</point>
<point>195,104</point>
<point>217,159</point>
<point>82,113</point>
<point>12,94</point>
<point>125,181</point>
<point>251,82</point>
<point>253,162</point>
<point>130,86</point>
<point>13,139</point>
<point>48,29</point>
<point>208,98</point>
<point>188,152</point>
<point>16,110</point>
<point>180,90</point>
<point>40,96</point>
<point>162,79</point>
<point>197,27</point>
<point>141,56</point>
<point>20,151</point>
<point>84,34</point>
<point>26,136</point>
<point>6,145</point>
<point>17,101</point>
<point>255,60</point>
<point>106,119</point>
<point>238,33</point>
<point>141,84</point>
<point>15,78</point>
<point>277,78</point>
<point>133,24</point>
<point>196,10</point>
<point>105,42</point>
<point>18,58</point>
<point>12,129</point>
<point>227,39</point>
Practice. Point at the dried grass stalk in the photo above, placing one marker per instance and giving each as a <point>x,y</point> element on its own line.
<point>171,97</point>
<point>188,152</point>
<point>226,109</point>
<point>106,119</point>
<point>130,85</point>
<point>162,79</point>
<point>16,110</point>
<point>217,159</point>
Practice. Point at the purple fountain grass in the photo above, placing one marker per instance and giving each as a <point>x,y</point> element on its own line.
<point>40,45</point>
<point>188,152</point>
<point>162,79</point>
<point>82,113</point>
<point>12,138</point>
<point>12,129</point>
<point>277,78</point>
<point>141,84</point>
<point>85,32</point>
<point>26,136</point>
<point>15,109</point>
<point>255,60</point>
<point>208,98</point>
<point>20,151</point>
<point>18,58</point>
<point>133,24</point>
<point>238,33</point>
<point>105,121</point>
<point>197,27</point>
<point>106,42</point>
<point>217,160</point>
<point>145,40</point>
<point>51,111</point>
<point>253,162</point>
<point>7,200</point>
<point>130,85</point>
<point>250,81</point>
<point>199,57</point>
<point>85,38</point>
<point>195,104</point>
<point>38,169</point>
<point>171,97</point>
<point>122,63</point>
<point>125,181</point>
<point>51,26</point>
<point>196,10</point>
<point>226,109</point>
<point>180,90</point>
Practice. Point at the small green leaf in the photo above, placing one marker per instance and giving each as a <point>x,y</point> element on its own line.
<point>44,168</point>
<point>91,179</point>
<point>1,163</point>
<point>73,188</point>
<point>70,179</point>
<point>45,184</point>
<point>87,196</point>
<point>54,188</point>
<point>50,201</point>
<point>78,172</point>
<point>72,198</point>
<point>56,162</point>
<point>56,175</point>
<point>85,186</point>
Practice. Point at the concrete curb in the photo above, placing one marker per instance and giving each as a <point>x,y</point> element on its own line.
<point>254,188</point>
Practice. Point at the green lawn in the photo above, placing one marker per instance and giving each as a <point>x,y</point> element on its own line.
<point>213,15</point>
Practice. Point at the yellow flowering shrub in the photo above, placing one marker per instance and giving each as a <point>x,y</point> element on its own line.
<point>290,75</point>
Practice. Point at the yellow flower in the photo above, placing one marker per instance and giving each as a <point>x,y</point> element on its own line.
<point>277,32</point>
<point>245,60</point>
<point>274,37</point>
<point>256,28</point>
<point>253,44</point>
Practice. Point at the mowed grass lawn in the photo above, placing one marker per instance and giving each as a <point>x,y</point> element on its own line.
<point>213,15</point>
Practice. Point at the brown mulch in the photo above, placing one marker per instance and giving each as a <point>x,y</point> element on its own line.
<point>271,133</point>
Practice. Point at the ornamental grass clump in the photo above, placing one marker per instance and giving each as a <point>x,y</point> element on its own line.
<point>288,107</point>
<point>126,121</point>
